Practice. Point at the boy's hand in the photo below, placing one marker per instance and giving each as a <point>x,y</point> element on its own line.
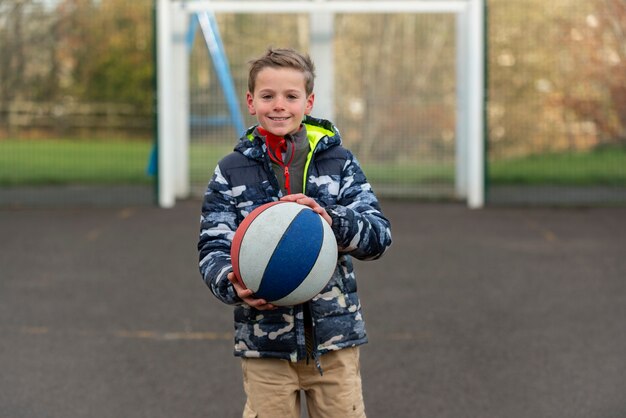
<point>310,202</point>
<point>246,295</point>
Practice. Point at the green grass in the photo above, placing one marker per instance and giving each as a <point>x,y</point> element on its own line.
<point>63,161</point>
<point>603,166</point>
<point>204,157</point>
<point>405,173</point>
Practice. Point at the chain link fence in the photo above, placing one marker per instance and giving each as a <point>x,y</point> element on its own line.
<point>77,100</point>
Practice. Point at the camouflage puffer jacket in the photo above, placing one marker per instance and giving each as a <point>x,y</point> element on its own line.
<point>244,180</point>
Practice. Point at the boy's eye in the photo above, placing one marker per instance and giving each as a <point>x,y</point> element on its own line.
<point>266,96</point>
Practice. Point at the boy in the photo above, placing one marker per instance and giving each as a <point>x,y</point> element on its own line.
<point>292,156</point>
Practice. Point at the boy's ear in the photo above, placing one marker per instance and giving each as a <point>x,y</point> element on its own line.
<point>309,104</point>
<point>250,102</point>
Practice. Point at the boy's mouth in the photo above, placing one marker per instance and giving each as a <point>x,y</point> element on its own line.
<point>278,119</point>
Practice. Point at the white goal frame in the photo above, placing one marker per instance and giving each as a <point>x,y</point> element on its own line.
<point>173,96</point>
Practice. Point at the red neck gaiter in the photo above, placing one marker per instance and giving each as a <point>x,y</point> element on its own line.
<point>276,146</point>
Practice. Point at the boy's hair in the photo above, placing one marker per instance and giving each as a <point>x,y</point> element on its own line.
<point>283,58</point>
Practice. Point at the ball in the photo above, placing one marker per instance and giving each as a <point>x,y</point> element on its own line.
<point>284,252</point>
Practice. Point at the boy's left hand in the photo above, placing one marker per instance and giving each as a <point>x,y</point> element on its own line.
<point>310,202</point>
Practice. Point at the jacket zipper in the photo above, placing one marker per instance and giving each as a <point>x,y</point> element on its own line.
<point>310,338</point>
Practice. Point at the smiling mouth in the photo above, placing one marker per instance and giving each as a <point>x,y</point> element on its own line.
<point>278,119</point>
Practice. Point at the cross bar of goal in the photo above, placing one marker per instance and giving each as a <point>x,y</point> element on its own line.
<point>470,120</point>
<point>422,6</point>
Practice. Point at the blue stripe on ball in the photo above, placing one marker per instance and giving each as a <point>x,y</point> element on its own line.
<point>294,256</point>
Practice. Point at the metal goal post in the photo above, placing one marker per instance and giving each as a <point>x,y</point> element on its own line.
<point>172,21</point>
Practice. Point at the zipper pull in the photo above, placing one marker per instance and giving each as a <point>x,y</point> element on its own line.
<point>286,174</point>
<point>317,363</point>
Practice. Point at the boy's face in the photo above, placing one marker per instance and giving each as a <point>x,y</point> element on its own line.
<point>279,100</point>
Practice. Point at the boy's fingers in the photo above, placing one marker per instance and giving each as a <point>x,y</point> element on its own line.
<point>293,197</point>
<point>235,281</point>
<point>259,304</point>
<point>247,295</point>
<point>242,291</point>
<point>301,199</point>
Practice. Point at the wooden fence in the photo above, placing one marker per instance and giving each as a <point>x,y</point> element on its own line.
<point>24,118</point>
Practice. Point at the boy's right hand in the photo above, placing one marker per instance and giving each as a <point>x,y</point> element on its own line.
<point>246,295</point>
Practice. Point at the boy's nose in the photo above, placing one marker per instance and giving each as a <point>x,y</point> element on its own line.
<point>279,103</point>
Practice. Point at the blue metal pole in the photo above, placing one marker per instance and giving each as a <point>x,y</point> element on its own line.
<point>222,68</point>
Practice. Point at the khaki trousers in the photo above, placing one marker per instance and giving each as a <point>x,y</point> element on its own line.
<point>273,387</point>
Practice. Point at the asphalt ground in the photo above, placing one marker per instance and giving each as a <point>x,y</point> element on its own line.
<point>501,312</point>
